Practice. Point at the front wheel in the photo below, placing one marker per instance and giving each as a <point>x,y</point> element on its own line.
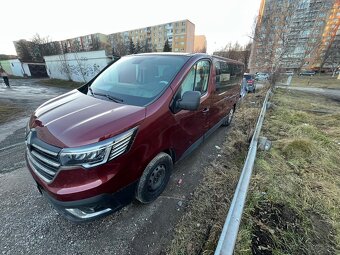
<point>229,117</point>
<point>154,178</point>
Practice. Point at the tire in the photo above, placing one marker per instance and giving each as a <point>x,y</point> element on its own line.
<point>228,119</point>
<point>154,178</point>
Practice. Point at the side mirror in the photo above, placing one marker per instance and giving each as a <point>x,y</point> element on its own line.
<point>189,101</point>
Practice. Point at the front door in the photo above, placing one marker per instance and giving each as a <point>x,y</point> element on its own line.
<point>191,125</point>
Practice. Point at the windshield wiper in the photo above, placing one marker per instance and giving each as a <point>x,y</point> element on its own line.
<point>112,98</point>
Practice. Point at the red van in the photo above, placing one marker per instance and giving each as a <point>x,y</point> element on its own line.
<point>94,149</point>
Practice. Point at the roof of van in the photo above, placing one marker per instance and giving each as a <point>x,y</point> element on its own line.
<point>189,54</point>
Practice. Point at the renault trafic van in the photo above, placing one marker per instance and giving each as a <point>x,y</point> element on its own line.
<point>94,149</point>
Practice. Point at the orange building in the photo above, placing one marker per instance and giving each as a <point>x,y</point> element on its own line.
<point>200,44</point>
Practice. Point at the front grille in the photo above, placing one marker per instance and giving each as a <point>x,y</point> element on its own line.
<point>42,158</point>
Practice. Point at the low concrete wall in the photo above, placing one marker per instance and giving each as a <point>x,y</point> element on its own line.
<point>15,67</point>
<point>6,66</point>
<point>80,66</point>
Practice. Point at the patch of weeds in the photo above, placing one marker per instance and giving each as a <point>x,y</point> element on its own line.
<point>272,221</point>
<point>308,130</point>
<point>9,112</point>
<point>298,177</point>
<point>61,83</point>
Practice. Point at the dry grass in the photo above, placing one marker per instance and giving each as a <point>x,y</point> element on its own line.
<point>61,83</point>
<point>299,175</point>
<point>292,205</point>
<point>198,231</point>
<point>9,111</point>
<point>318,81</point>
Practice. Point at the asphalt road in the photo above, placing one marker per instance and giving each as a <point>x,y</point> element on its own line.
<point>29,225</point>
<point>331,93</point>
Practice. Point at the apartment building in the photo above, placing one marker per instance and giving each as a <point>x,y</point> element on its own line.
<point>89,42</point>
<point>200,44</point>
<point>180,36</point>
<point>296,40</point>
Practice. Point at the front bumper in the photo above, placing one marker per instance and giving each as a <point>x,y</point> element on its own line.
<point>94,207</point>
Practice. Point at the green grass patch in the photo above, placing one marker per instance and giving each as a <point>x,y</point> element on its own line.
<point>61,83</point>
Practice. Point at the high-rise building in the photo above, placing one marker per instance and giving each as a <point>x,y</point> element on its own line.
<point>200,44</point>
<point>180,36</point>
<point>293,34</point>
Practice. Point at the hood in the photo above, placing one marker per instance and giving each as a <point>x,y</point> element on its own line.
<point>75,119</point>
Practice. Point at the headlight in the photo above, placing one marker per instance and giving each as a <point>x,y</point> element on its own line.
<point>98,153</point>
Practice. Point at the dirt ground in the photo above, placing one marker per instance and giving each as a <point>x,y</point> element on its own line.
<point>199,229</point>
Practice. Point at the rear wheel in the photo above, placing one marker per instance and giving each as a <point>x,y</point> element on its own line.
<point>154,178</point>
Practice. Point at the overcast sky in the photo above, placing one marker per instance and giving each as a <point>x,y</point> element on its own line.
<point>221,21</point>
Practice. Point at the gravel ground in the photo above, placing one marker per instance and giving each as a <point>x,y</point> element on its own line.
<point>29,225</point>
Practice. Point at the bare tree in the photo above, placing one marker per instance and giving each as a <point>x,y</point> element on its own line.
<point>331,56</point>
<point>118,45</point>
<point>287,41</point>
<point>43,46</point>
<point>23,49</point>
<point>236,51</point>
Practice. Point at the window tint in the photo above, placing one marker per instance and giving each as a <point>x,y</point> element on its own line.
<point>223,72</point>
<point>227,75</point>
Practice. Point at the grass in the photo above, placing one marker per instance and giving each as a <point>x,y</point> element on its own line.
<point>61,83</point>
<point>318,81</point>
<point>199,229</point>
<point>9,111</point>
<point>293,202</point>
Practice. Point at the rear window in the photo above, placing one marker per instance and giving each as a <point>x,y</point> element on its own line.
<point>248,77</point>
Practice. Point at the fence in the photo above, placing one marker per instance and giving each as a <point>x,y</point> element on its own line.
<point>230,229</point>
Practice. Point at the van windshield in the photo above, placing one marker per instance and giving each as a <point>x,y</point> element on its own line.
<point>137,80</point>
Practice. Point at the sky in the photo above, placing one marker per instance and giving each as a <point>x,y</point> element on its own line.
<point>220,21</point>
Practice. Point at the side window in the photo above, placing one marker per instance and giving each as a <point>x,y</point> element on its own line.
<point>188,83</point>
<point>197,78</point>
<point>202,76</point>
<point>218,73</point>
<point>223,75</point>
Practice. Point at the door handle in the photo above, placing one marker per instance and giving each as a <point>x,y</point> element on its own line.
<point>205,110</point>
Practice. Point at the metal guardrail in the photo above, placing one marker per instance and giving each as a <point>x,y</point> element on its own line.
<point>230,229</point>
